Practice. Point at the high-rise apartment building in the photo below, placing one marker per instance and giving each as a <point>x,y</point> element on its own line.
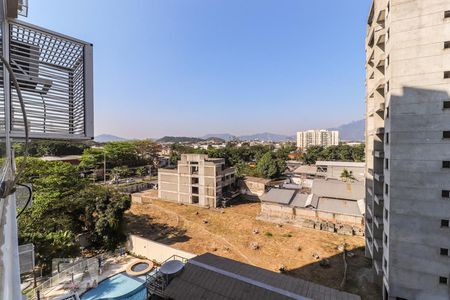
<point>317,138</point>
<point>408,147</point>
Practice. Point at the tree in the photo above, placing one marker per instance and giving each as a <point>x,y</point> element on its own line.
<point>66,204</point>
<point>270,167</point>
<point>347,175</point>
<point>102,214</point>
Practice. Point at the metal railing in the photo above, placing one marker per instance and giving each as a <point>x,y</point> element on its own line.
<point>156,282</point>
<point>90,264</point>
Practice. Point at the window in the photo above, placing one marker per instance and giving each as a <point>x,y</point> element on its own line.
<point>446,44</point>
<point>386,188</point>
<point>445,194</point>
<point>447,14</point>
<point>444,252</point>
<point>386,163</point>
<point>443,280</point>
<point>387,83</point>
<point>387,137</point>
<point>387,111</point>
<point>446,104</point>
<point>388,35</point>
<point>386,214</point>
<point>444,223</point>
<point>446,164</point>
<point>446,134</point>
<point>446,74</point>
<point>385,263</point>
<point>385,239</point>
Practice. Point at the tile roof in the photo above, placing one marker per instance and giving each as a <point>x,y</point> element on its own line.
<point>209,276</point>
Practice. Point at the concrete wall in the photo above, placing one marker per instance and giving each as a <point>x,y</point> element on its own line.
<point>312,218</point>
<point>152,250</point>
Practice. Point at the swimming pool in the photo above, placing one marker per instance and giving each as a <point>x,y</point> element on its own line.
<point>118,287</point>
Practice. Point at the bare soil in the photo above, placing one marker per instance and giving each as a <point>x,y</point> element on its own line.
<point>230,232</point>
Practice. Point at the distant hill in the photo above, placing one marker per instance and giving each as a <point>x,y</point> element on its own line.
<point>224,136</point>
<point>266,136</point>
<point>353,131</point>
<point>105,138</point>
<point>186,139</point>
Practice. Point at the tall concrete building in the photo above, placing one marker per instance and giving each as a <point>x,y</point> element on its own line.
<point>317,138</point>
<point>408,147</point>
<point>197,179</point>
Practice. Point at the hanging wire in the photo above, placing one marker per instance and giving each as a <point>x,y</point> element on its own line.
<point>7,187</point>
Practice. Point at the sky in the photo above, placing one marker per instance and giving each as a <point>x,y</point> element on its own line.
<point>196,67</point>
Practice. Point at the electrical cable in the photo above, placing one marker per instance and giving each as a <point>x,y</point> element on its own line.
<point>8,187</point>
<point>30,195</point>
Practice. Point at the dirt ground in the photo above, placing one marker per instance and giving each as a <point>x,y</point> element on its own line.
<point>229,233</point>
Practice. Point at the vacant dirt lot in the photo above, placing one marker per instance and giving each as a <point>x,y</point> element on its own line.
<point>230,232</point>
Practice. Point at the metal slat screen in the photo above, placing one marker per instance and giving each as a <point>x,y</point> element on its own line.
<point>50,72</point>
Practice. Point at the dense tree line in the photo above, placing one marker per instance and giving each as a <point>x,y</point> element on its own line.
<point>334,153</point>
<point>251,160</point>
<point>66,204</point>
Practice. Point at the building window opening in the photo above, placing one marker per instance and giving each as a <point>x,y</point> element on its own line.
<point>444,252</point>
<point>445,223</point>
<point>443,280</point>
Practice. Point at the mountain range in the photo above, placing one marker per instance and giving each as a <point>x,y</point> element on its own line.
<point>353,131</point>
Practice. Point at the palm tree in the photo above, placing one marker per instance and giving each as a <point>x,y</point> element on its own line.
<point>347,175</point>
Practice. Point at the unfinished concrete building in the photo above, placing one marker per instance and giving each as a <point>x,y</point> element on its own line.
<point>197,179</point>
<point>408,147</point>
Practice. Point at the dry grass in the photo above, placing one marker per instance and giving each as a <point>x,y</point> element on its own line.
<point>230,232</point>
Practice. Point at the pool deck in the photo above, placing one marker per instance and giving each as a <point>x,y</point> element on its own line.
<point>85,281</point>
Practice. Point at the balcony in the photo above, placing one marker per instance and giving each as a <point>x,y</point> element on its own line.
<point>378,198</point>
<point>379,131</point>
<point>378,221</point>
<point>381,18</point>
<point>378,245</point>
<point>377,266</point>
<point>378,154</point>
<point>369,211</point>
<point>378,176</point>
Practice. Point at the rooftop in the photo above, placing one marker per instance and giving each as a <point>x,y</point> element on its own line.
<point>341,164</point>
<point>338,189</point>
<point>280,196</point>
<point>213,277</point>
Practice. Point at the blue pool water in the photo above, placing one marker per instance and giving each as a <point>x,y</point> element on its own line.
<point>118,287</point>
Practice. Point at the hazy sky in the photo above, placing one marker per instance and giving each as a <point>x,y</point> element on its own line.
<point>192,67</point>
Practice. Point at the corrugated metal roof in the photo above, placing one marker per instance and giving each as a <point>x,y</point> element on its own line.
<point>299,200</point>
<point>338,189</point>
<point>310,170</point>
<point>348,207</point>
<point>212,277</point>
<point>281,196</point>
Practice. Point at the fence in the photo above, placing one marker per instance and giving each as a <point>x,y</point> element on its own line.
<point>90,264</point>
